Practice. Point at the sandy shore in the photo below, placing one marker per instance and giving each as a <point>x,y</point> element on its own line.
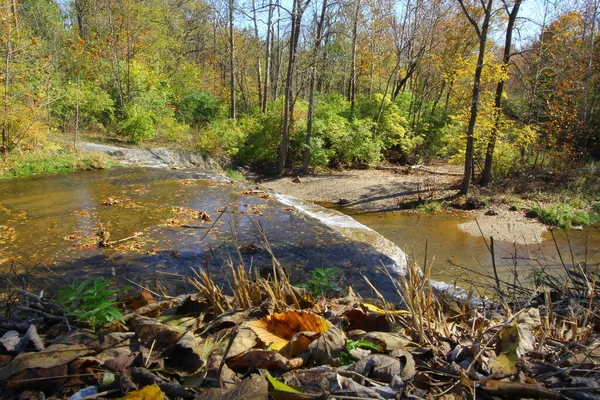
<point>383,191</point>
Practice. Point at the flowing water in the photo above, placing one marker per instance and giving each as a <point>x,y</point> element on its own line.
<point>463,258</point>
<point>51,227</point>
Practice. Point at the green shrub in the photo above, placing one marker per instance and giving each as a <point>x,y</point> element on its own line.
<point>138,126</point>
<point>222,137</point>
<point>196,107</point>
<point>91,302</point>
<point>430,207</point>
<point>563,215</point>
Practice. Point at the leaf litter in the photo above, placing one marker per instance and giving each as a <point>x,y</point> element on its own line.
<point>270,339</point>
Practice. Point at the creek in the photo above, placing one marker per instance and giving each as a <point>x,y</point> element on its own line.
<point>459,257</point>
<point>157,226</point>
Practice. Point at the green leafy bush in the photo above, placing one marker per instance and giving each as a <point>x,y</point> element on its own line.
<point>91,302</point>
<point>222,137</point>
<point>196,107</point>
<point>139,125</point>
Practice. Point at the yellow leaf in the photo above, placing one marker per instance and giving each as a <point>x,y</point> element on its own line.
<point>374,309</point>
<point>151,392</point>
<point>277,330</point>
<point>506,362</point>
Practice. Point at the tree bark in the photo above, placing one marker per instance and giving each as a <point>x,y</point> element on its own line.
<point>486,175</point>
<point>288,113</point>
<point>482,36</point>
<point>265,96</point>
<point>352,80</point>
<point>232,59</point>
<point>311,95</point>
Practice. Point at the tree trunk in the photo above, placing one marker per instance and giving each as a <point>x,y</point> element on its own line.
<point>288,113</point>
<point>258,61</point>
<point>482,36</point>
<point>265,96</point>
<point>486,175</point>
<point>311,96</point>
<point>79,10</point>
<point>352,80</point>
<point>231,59</point>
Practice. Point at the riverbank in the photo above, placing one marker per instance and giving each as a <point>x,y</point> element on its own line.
<point>386,191</point>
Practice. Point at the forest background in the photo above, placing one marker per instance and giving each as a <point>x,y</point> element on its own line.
<point>499,85</point>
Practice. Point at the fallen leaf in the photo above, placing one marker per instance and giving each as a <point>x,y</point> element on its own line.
<point>366,321</point>
<point>184,356</point>
<point>32,338</point>
<point>385,340</point>
<point>379,366</point>
<point>10,340</point>
<point>149,330</point>
<point>264,359</point>
<point>244,340</point>
<point>150,392</point>
<point>53,356</point>
<point>380,311</point>
<point>506,361</point>
<point>253,388</point>
<point>276,330</point>
<point>326,350</point>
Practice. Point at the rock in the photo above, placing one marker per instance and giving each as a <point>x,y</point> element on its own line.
<point>297,180</point>
<point>491,211</point>
<point>343,202</point>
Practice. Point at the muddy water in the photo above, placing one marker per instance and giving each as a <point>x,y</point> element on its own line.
<point>50,229</point>
<point>460,257</point>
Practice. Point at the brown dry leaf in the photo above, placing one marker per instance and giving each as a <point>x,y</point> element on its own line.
<point>185,356</point>
<point>385,340</point>
<point>48,379</point>
<point>378,366</point>
<point>366,321</point>
<point>228,378</point>
<point>143,299</point>
<point>299,343</point>
<point>407,361</point>
<point>253,388</point>
<point>277,329</point>
<point>326,350</point>
<point>97,341</point>
<point>264,359</point>
<point>31,339</point>
<point>244,340</point>
<point>149,330</point>
<point>53,356</point>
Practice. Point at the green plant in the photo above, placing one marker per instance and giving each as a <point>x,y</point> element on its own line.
<point>91,302</point>
<point>346,358</point>
<point>234,174</point>
<point>430,207</point>
<point>323,281</point>
<point>563,215</point>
